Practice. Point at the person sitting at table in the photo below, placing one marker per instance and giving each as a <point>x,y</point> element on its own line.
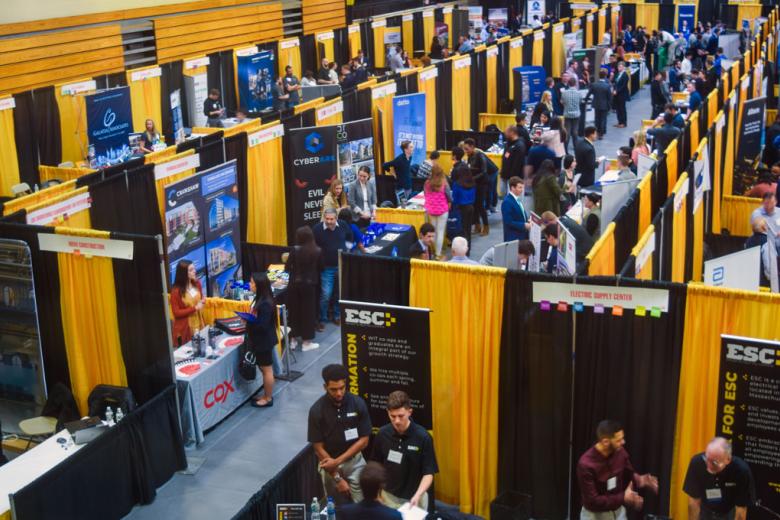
<point>186,302</point>
<point>591,219</point>
<point>150,137</point>
<point>261,334</point>
<point>304,263</point>
<point>335,199</point>
<point>640,146</point>
<point>421,249</point>
<point>361,196</point>
<point>460,248</point>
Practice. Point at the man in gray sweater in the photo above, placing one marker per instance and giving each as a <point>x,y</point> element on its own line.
<point>571,98</point>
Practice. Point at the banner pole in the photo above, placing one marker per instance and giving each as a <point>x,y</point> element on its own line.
<point>169,334</point>
<point>289,375</point>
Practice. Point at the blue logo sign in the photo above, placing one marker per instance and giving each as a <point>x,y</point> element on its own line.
<point>313,142</point>
<point>109,118</point>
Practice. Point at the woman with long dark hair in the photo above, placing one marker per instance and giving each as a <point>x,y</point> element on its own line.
<point>304,264</point>
<point>261,334</point>
<point>186,302</point>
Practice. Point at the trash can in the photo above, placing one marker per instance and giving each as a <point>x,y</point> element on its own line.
<point>511,505</point>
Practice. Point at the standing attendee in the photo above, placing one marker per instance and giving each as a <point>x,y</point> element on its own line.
<point>464,45</point>
<point>331,236</point>
<point>460,252</point>
<point>186,303</point>
<point>281,97</point>
<point>308,79</point>
<point>566,181</point>
<point>437,205</point>
<point>372,481</point>
<point>514,158</point>
<point>213,109</point>
<point>426,167</point>
<point>675,76</point>
<point>515,219</point>
<point>678,121</point>
<point>525,250</point>
<point>394,59</point>
<point>291,86</point>
<point>150,137</point>
<point>719,485</point>
<point>550,235</point>
<point>640,146</point>
<point>664,135</point>
<point>585,155</point>
<point>694,97</point>
<point>571,100</point>
<point>261,334</point>
<point>477,161</point>
<point>555,138</point>
<point>522,130</point>
<point>361,197</point>
<point>464,192</point>
<point>406,451</point>
<point>591,219</point>
<point>323,75</point>
<point>547,191</point>
<point>768,211</point>
<point>621,94</point>
<point>537,155</point>
<point>339,427</point>
<point>686,67</point>
<point>435,50</point>
<point>555,94</point>
<point>601,93</point>
<point>583,241</point>
<point>628,39</point>
<point>422,249</point>
<point>402,165</point>
<point>335,199</point>
<point>658,99</point>
<point>545,105</point>
<point>606,478</point>
<point>304,264</point>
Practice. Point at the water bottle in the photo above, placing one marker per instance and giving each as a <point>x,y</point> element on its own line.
<point>331,509</point>
<point>109,416</point>
<point>119,414</point>
<point>394,252</point>
<point>315,509</point>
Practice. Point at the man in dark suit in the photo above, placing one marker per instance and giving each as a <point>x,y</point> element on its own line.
<point>402,165</point>
<point>657,97</point>
<point>514,158</point>
<point>372,481</point>
<point>585,155</point>
<point>600,94</point>
<point>664,135</point>
<point>522,130</point>
<point>421,249</point>
<point>621,94</point>
<point>583,242</point>
<point>513,213</point>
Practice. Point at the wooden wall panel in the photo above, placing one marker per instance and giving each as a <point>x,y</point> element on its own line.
<point>321,15</point>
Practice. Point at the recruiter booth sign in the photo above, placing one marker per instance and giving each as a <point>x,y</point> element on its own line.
<point>749,409</point>
<point>312,169</point>
<point>109,124</point>
<point>387,348</point>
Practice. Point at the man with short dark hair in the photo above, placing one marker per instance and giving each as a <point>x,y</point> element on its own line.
<point>525,250</point>
<point>571,100</point>
<point>458,165</point>
<point>768,211</point>
<point>514,158</point>
<point>678,121</point>
<point>372,481</point>
<point>402,165</point>
<point>583,241</point>
<point>694,97</point>
<point>621,94</point>
<point>291,86</point>
<point>339,426</point>
<point>406,451</point>
<point>585,156</point>
<point>421,249</point>
<point>601,93</point>
<point>550,235</point>
<point>331,236</point>
<point>664,135</point>
<point>213,109</point>
<point>513,213</point>
<point>606,478</point>
<point>477,161</point>
<point>522,130</point>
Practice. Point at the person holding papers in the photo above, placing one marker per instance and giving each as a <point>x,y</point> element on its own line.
<point>513,213</point>
<point>406,451</point>
<point>213,109</point>
<point>261,334</point>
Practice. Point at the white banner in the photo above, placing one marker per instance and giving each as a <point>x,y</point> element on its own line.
<point>447,10</point>
<point>146,74</point>
<point>288,44</point>
<point>197,62</point>
<point>51,213</point>
<point>325,36</point>
<point>590,18</point>
<point>75,88</point>
<point>380,92</point>
<point>262,136</point>
<point>517,42</point>
<point>582,7</point>
<point>87,246</point>
<point>605,295</point>
<point>539,35</point>
<point>326,112</point>
<point>558,27</point>
<point>644,254</point>
<point>408,18</point>
<point>429,74</point>
<point>679,197</point>
<point>165,170</point>
<point>353,29</point>
<point>462,62</point>
<point>7,103</point>
<point>378,23</point>
<point>492,51</point>
<point>247,51</point>
<point>740,270</point>
<point>428,13</point>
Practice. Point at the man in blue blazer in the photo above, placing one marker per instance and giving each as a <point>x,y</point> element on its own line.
<point>515,218</point>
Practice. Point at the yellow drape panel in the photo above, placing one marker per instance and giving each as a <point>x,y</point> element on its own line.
<point>492,89</point>
<point>647,16</point>
<point>726,81</point>
<point>407,37</point>
<point>379,46</point>
<point>447,20</point>
<point>698,243</point>
<point>334,119</point>
<point>590,28</point>
<point>248,126</point>
<point>12,206</point>
<point>76,220</point>
<point>73,123</point>
<point>328,45</point>
<point>735,214</point>
<point>671,165</point>
<point>412,217</point>
<point>729,152</point>
<point>602,21</point>
<point>467,308</point>
<point>290,56</point>
<point>267,212</point>
<point>537,57</point>
<point>748,12</point>
<point>717,193</point>
<point>694,140</point>
<point>601,257</point>
<point>428,30</point>
<point>647,269</point>
<point>500,120</point>
<point>712,107</point>
<point>205,130</point>
<point>160,185</point>
<point>354,40</point>
<point>383,148</point>
<point>461,104</point>
<point>89,321</point>
<point>220,308</point>
<point>515,60</point>
<point>9,165</point>
<point>558,51</point>
<point>645,202</point>
<point>428,87</point>
<point>679,234</point>
<point>710,312</point>
<point>145,100</point>
<point>48,173</point>
<point>307,105</point>
<point>160,156</point>
<point>734,77</point>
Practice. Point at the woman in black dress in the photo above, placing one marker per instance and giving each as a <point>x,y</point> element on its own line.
<point>261,334</point>
<point>304,266</point>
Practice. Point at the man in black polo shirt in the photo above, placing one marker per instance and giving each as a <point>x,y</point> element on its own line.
<point>718,485</point>
<point>339,426</point>
<point>331,236</point>
<point>406,451</point>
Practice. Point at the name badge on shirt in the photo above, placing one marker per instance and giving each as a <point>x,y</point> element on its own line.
<point>394,456</point>
<point>713,494</point>
<point>193,292</point>
<point>777,221</point>
<point>351,434</point>
<point>611,483</point>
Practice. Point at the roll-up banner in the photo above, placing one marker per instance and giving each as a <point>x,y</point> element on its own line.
<point>686,14</point>
<point>256,81</point>
<point>313,167</point>
<point>355,142</point>
<point>749,410</point>
<point>176,116</point>
<point>409,124</point>
<point>197,89</point>
<point>109,124</point>
<point>388,348</point>
<point>752,130</point>
<point>529,85</point>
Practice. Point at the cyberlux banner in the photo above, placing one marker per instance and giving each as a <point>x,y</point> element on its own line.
<point>749,409</point>
<point>686,14</point>
<point>312,168</point>
<point>355,142</point>
<point>109,123</point>
<point>409,124</point>
<point>387,348</point>
<point>752,131</point>
<point>256,81</point>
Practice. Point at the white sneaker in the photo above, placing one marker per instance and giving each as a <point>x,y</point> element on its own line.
<point>309,346</point>
<point>293,344</point>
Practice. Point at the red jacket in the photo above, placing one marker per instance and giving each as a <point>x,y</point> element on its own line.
<point>182,332</point>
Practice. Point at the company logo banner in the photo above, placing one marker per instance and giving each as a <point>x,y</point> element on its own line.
<point>409,124</point>
<point>256,78</point>
<point>109,123</point>
<point>312,168</point>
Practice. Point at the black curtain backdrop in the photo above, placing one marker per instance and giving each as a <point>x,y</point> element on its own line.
<point>418,34</point>
<point>111,474</point>
<point>296,483</point>
<point>660,182</point>
<point>309,54</point>
<point>628,15</point>
<point>47,126</point>
<point>502,81</point>
<point>357,105</point>
<point>117,79</point>
<point>689,238</point>
<point>534,398</point>
<point>341,45</point>
<point>375,279</point>
<point>628,369</point>
<point>171,80</point>
<point>443,101</point>
<point>236,148</point>
<point>626,230</point>
<point>26,138</point>
<point>227,70</point>
<point>528,50</point>
<point>658,225</point>
<point>478,87</point>
<point>257,257</point>
<point>126,202</point>
<point>665,254</point>
<point>211,154</point>
<point>547,57</point>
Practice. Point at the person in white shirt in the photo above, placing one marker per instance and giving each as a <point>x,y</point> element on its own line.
<point>308,79</point>
<point>361,196</point>
<point>686,66</point>
<point>460,247</point>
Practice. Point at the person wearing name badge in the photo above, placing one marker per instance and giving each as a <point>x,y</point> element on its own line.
<point>361,197</point>
<point>406,451</point>
<point>607,480</point>
<point>150,138</point>
<point>338,427</point>
<point>213,109</point>
<point>402,165</point>
<point>261,334</point>
<point>186,302</point>
<point>719,485</point>
<point>513,213</point>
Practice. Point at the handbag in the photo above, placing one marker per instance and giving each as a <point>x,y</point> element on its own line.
<point>247,361</point>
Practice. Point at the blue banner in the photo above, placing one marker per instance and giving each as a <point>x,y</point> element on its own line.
<point>256,81</point>
<point>176,116</point>
<point>686,18</point>
<point>531,84</point>
<point>409,124</point>
<point>109,123</point>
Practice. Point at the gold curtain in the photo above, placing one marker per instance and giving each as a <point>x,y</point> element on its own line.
<point>383,104</point>
<point>647,269</point>
<point>407,35</point>
<point>160,155</point>
<point>290,54</point>
<point>645,202</point>
<point>307,105</point>
<point>461,83</point>
<point>602,15</point>
<point>219,308</point>
<point>161,184</point>
<point>491,62</point>
<point>467,307</point>
<point>354,39</point>
<point>671,165</point>
<point>248,126</point>
<point>726,80</point>
<point>428,30</point>
<point>679,232</point>
<point>558,51</point>
<point>379,44</point>
<point>694,140</point>
<point>412,217</point>
<point>428,87</point>
<point>710,312</point>
<point>601,257</point>
<point>717,193</point>
<point>47,173</point>
<point>9,165</point>
<point>515,60</point>
<point>145,100</point>
<point>33,199</point>
<point>712,107</point>
<point>729,152</point>
<point>646,16</point>
<point>89,319</point>
<point>267,211</point>
<point>748,12</point>
<point>333,119</point>
<point>69,219</point>
<point>590,29</point>
<point>73,123</point>
<point>735,214</point>
<point>538,48</point>
<point>500,120</point>
<point>327,43</point>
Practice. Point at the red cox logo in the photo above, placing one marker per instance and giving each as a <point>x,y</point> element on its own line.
<point>218,394</point>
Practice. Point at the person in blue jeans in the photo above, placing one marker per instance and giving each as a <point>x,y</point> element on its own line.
<point>331,236</point>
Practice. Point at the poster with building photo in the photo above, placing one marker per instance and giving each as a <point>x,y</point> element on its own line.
<point>355,143</point>
<point>184,237</point>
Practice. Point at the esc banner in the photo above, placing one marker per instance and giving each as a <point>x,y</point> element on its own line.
<point>109,124</point>
<point>388,348</point>
<point>749,409</point>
